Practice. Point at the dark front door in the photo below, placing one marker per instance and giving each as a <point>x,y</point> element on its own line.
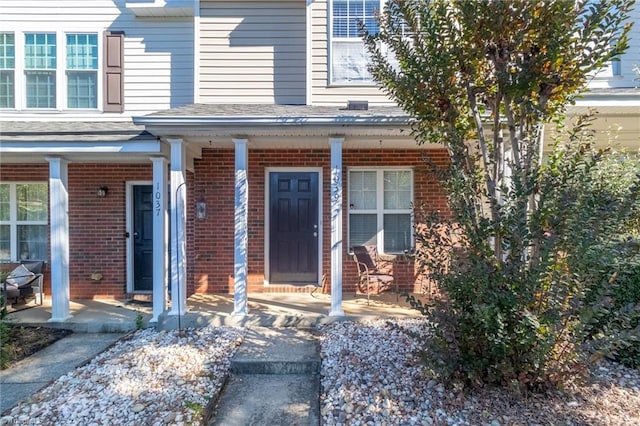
<point>142,238</point>
<point>293,228</point>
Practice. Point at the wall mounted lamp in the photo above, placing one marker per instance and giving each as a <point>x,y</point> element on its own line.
<point>101,192</point>
<point>201,209</point>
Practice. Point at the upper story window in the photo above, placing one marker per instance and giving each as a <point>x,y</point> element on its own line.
<point>82,70</point>
<point>7,70</point>
<point>380,209</point>
<point>40,59</point>
<point>61,71</point>
<point>24,213</point>
<point>348,55</point>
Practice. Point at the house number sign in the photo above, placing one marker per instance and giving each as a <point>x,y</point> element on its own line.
<point>157,196</point>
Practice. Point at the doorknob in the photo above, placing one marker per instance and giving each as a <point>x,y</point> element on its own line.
<point>315,234</point>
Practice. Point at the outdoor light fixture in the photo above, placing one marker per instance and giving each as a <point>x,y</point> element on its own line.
<point>101,192</point>
<point>201,209</point>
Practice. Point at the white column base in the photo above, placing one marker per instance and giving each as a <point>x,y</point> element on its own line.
<point>61,319</point>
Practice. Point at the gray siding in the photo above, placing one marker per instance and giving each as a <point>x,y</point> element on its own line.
<point>252,52</point>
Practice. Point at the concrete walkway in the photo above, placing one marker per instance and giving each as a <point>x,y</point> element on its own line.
<point>274,381</point>
<point>275,372</point>
<point>31,374</point>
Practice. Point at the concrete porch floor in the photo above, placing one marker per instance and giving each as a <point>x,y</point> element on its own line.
<point>265,309</point>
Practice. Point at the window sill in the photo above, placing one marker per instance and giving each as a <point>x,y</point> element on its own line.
<point>347,85</point>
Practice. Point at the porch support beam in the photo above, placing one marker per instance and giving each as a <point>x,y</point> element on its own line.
<point>336,226</point>
<point>59,213</point>
<point>178,227</point>
<point>240,260</point>
<point>159,236</point>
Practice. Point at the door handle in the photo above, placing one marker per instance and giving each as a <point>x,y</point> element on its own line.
<point>315,234</point>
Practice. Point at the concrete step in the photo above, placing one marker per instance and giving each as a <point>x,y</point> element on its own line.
<point>274,380</point>
<point>273,400</point>
<point>277,351</point>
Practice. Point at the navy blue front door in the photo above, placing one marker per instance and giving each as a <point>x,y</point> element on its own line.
<point>142,238</point>
<point>293,228</point>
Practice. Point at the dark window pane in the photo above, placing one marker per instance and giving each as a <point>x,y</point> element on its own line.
<point>397,233</point>
<point>362,229</point>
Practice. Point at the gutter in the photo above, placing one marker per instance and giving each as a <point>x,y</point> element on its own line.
<point>251,121</point>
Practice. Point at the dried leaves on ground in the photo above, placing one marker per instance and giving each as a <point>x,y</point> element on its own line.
<point>23,341</point>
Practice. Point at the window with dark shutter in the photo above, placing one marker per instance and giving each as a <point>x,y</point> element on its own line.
<point>113,71</point>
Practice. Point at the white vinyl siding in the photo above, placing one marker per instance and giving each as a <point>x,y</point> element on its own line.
<point>253,52</point>
<point>158,52</point>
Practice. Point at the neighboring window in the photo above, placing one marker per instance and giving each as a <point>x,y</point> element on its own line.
<point>62,71</point>
<point>348,54</point>
<point>616,68</point>
<point>380,209</point>
<point>7,71</point>
<point>40,69</point>
<point>82,70</point>
<point>23,221</point>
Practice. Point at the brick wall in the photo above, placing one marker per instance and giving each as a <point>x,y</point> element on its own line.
<point>97,226</point>
<point>213,183</point>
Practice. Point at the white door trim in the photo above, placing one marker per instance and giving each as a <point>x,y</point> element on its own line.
<point>129,231</point>
<point>267,193</point>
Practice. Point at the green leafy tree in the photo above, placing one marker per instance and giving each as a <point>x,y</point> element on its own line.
<point>487,79</point>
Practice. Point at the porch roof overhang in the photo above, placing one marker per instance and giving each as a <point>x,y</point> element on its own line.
<point>28,142</point>
<point>282,126</point>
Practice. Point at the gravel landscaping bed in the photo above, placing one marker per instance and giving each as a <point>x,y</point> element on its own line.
<point>371,375</point>
<point>147,378</point>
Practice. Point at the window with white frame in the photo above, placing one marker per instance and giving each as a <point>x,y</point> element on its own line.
<point>49,70</point>
<point>24,216</point>
<point>380,210</point>
<point>40,62</point>
<point>82,70</point>
<point>348,55</point>
<point>7,70</point>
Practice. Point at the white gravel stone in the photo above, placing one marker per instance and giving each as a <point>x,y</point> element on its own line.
<point>150,377</point>
<point>376,367</point>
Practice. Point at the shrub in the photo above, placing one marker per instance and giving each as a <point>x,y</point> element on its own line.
<point>526,321</point>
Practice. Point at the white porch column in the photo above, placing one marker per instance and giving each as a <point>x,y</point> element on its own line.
<point>59,213</point>
<point>336,226</point>
<point>240,263</point>
<point>159,236</point>
<point>178,227</point>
